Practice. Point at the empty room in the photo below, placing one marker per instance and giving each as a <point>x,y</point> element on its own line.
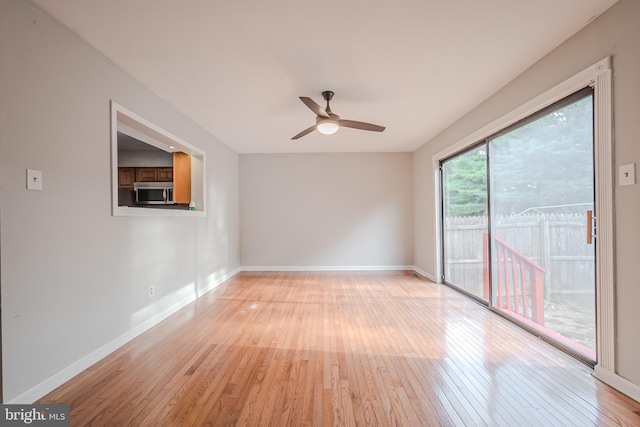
<point>347,213</point>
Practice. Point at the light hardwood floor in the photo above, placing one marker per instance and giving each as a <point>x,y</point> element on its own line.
<point>324,349</point>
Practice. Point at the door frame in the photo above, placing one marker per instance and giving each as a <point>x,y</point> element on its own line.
<point>599,76</point>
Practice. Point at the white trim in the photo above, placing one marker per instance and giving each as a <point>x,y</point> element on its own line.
<point>424,274</point>
<point>418,270</point>
<point>614,380</point>
<point>59,378</point>
<point>600,76</point>
<point>129,211</point>
<point>604,183</point>
<point>144,130</point>
<point>329,268</point>
<point>437,241</point>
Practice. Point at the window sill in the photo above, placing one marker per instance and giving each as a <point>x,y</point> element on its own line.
<point>130,211</point>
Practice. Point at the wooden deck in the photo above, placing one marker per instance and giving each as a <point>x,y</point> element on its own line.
<point>324,349</point>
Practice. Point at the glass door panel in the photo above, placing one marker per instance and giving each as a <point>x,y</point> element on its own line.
<point>542,185</point>
<point>465,222</point>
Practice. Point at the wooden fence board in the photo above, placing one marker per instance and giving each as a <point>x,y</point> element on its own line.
<point>555,241</point>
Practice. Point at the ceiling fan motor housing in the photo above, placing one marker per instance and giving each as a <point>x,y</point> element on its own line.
<point>327,95</point>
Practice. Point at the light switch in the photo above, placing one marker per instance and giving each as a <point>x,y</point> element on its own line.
<point>627,174</point>
<point>34,180</point>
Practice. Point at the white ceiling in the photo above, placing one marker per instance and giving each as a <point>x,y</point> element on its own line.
<point>238,67</point>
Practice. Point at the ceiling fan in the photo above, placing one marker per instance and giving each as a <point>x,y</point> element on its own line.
<point>327,122</point>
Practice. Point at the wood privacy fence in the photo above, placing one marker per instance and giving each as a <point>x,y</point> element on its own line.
<point>557,242</point>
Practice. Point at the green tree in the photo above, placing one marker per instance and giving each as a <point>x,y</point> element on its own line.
<point>545,162</point>
<point>465,183</point>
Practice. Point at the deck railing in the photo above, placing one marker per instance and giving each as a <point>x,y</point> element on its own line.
<point>519,281</point>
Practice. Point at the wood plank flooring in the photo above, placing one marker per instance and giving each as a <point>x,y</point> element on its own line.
<point>325,349</point>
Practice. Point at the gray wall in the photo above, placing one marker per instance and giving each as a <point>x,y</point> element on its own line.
<point>73,277</point>
<point>142,158</point>
<point>616,33</point>
<point>300,210</point>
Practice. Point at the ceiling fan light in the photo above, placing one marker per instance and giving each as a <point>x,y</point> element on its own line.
<point>327,126</point>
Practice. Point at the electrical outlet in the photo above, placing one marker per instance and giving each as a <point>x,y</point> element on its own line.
<point>152,291</point>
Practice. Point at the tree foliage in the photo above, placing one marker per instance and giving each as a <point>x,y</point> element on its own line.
<point>465,183</point>
<point>546,162</point>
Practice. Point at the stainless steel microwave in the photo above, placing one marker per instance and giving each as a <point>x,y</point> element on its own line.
<point>153,193</point>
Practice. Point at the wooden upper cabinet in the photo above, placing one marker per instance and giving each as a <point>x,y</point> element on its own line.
<point>165,174</point>
<point>151,174</point>
<point>126,177</point>
<point>146,174</point>
<point>181,177</point>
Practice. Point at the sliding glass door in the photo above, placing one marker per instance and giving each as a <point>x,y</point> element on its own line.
<point>542,180</point>
<point>520,241</point>
<point>466,222</point>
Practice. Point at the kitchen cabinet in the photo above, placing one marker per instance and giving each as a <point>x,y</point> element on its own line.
<point>165,174</point>
<point>126,177</point>
<point>146,174</point>
<point>181,178</point>
<point>150,174</point>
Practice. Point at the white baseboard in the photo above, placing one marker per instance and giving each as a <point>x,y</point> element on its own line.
<point>329,268</point>
<point>621,384</point>
<point>61,377</point>
<point>342,268</point>
<point>424,274</point>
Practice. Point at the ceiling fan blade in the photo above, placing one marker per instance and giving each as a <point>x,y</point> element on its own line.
<point>304,132</point>
<point>361,125</point>
<point>314,107</point>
